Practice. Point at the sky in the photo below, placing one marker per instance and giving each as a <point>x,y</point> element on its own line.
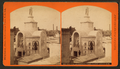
<point>99,16</point>
<point>45,17</point>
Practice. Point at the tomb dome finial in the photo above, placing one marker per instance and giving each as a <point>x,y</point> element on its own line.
<point>87,11</point>
<point>31,15</point>
<point>30,11</point>
<point>86,17</point>
<point>86,25</point>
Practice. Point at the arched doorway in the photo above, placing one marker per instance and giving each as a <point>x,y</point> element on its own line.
<point>20,44</point>
<point>76,50</point>
<point>76,39</point>
<point>91,45</point>
<point>35,46</point>
<point>75,53</point>
<point>20,40</point>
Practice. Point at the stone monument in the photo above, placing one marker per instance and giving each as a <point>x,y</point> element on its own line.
<point>86,41</point>
<point>31,41</point>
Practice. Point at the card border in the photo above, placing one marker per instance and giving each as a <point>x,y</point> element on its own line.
<point>8,7</point>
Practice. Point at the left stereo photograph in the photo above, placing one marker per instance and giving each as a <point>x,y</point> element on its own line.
<point>35,36</point>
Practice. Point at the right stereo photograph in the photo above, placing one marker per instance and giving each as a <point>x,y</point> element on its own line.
<point>86,36</point>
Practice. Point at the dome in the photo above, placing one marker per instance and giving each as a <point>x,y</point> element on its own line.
<point>93,33</point>
<point>37,33</point>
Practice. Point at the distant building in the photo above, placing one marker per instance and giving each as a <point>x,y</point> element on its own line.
<point>104,32</point>
<point>71,31</point>
<point>53,33</point>
<point>57,34</point>
<point>12,51</point>
<point>107,33</point>
<point>14,30</point>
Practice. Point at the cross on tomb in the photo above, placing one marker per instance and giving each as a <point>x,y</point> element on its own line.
<point>87,11</point>
<point>30,11</point>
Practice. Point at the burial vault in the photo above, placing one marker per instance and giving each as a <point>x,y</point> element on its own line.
<point>86,41</point>
<point>31,41</point>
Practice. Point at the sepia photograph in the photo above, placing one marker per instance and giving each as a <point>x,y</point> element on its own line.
<point>35,36</point>
<point>86,36</point>
<point>60,34</point>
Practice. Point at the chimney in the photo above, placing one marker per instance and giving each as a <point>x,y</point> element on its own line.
<point>109,27</point>
<point>56,28</point>
<point>53,26</point>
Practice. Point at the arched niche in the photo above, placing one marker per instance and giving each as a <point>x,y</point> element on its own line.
<point>20,40</point>
<point>76,39</point>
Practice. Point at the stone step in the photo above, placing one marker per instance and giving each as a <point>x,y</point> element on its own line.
<point>54,60</point>
<point>84,59</point>
<point>29,59</point>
